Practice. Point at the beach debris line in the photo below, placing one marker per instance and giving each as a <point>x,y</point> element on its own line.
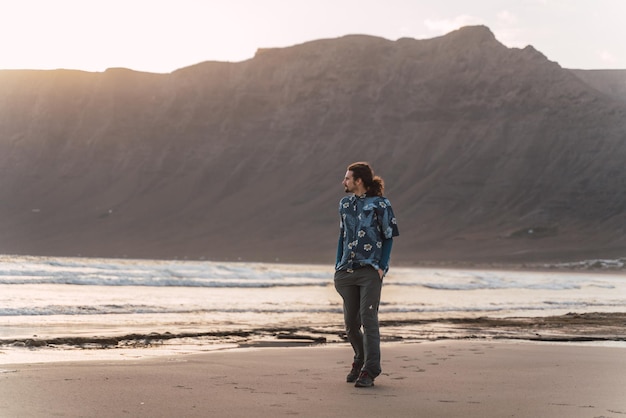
<point>571,327</point>
<point>152,339</point>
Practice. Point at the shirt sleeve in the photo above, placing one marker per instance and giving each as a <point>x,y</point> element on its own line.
<point>341,233</point>
<point>386,254</point>
<point>387,219</point>
<point>339,250</point>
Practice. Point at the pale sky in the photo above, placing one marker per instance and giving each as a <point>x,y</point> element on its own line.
<point>164,35</point>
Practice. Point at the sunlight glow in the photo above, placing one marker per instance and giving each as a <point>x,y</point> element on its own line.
<point>163,35</point>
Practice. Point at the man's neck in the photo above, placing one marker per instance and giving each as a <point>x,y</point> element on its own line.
<point>360,192</point>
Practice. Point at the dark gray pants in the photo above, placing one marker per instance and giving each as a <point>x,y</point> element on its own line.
<point>360,290</point>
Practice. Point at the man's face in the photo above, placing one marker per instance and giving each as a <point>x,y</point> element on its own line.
<point>349,185</point>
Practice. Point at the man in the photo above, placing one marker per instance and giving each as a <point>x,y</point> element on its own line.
<point>367,227</point>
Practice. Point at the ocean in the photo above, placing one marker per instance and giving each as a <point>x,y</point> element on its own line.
<point>55,306</point>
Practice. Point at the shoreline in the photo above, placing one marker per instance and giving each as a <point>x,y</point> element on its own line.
<point>440,378</point>
<point>592,265</point>
<point>599,328</point>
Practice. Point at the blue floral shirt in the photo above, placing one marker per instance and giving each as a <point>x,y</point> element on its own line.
<point>364,223</point>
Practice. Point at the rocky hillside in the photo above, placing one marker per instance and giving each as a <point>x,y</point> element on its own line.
<point>488,153</point>
<point>610,82</point>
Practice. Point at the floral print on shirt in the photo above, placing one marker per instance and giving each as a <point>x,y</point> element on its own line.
<point>364,223</point>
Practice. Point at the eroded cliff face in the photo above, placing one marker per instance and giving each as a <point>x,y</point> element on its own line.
<point>488,153</point>
<point>610,82</point>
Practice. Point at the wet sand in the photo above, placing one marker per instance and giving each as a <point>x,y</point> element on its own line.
<point>470,378</point>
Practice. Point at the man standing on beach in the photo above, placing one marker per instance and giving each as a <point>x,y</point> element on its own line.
<point>367,227</point>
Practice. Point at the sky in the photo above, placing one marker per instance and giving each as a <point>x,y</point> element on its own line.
<point>164,35</point>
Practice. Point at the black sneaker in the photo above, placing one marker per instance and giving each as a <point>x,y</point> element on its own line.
<point>364,381</point>
<point>354,373</point>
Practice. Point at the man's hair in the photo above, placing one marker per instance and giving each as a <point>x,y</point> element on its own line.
<point>374,185</point>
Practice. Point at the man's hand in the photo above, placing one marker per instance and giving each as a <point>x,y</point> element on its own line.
<point>381,273</point>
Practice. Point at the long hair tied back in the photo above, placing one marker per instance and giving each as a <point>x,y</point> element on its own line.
<point>374,185</point>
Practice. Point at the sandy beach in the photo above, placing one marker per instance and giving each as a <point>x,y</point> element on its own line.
<point>479,378</point>
<point>113,338</point>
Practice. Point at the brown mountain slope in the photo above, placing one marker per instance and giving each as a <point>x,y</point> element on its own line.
<point>610,82</point>
<point>489,154</point>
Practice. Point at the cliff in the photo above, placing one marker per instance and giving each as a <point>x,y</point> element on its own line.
<point>488,153</point>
